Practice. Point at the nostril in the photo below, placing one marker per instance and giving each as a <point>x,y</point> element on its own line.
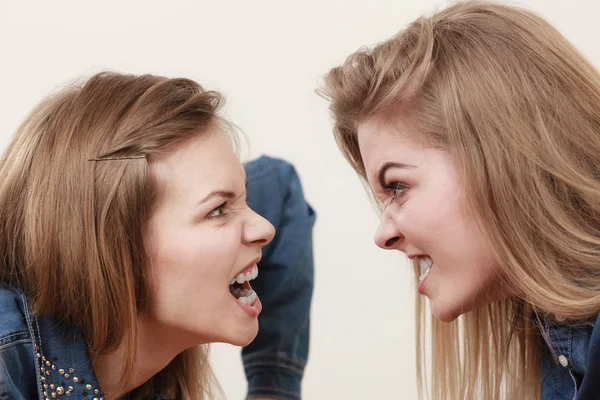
<point>390,242</point>
<point>262,241</point>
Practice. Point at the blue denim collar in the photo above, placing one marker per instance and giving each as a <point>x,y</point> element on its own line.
<point>570,359</point>
<point>63,367</point>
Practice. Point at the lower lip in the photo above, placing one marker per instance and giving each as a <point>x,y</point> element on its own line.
<point>251,309</point>
<point>422,282</point>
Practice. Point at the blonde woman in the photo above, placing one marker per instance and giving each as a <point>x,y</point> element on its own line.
<point>127,245</point>
<point>478,131</point>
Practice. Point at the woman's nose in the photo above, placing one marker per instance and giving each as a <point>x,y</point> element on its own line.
<point>387,236</point>
<point>258,231</point>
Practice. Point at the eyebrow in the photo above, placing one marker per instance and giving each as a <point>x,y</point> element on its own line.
<point>388,165</point>
<point>218,193</point>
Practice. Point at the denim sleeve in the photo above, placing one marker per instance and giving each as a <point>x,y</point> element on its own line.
<point>17,371</point>
<point>18,379</point>
<point>274,362</point>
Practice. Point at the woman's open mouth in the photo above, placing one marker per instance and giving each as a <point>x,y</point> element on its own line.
<point>240,288</point>
<point>426,264</point>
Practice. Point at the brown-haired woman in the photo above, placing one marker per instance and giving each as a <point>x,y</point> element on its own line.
<point>124,230</point>
<point>478,131</point>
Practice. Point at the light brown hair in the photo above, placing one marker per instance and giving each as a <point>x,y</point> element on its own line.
<point>518,108</point>
<point>76,193</point>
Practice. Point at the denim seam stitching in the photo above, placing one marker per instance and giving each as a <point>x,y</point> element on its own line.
<point>36,339</point>
<point>572,359</point>
<point>259,364</point>
<point>4,346</point>
<point>570,352</point>
<point>276,390</point>
<point>300,363</point>
<point>14,334</point>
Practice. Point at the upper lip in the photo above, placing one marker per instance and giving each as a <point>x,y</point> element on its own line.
<point>251,263</point>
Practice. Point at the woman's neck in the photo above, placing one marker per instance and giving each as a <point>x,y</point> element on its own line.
<point>155,350</point>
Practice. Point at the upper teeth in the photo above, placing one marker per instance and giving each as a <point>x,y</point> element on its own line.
<point>425,263</point>
<point>248,276</point>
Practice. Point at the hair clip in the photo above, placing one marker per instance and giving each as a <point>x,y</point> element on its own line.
<point>115,158</point>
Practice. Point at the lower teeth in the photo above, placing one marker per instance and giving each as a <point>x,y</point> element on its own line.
<point>248,299</point>
<point>244,296</point>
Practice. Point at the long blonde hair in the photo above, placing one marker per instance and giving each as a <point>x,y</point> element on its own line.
<point>76,193</point>
<point>518,107</point>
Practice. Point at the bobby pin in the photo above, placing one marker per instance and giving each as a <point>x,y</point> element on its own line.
<point>115,158</point>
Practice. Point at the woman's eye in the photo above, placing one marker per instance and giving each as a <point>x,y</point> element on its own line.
<point>218,212</point>
<point>396,189</point>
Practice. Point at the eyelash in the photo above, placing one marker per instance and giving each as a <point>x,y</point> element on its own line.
<point>223,214</point>
<point>393,187</point>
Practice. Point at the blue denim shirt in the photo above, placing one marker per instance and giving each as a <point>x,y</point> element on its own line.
<point>41,358</point>
<point>571,360</point>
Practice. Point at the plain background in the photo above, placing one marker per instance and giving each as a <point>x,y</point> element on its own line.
<point>267,57</point>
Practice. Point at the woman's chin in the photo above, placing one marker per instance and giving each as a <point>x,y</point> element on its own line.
<point>244,337</point>
<point>445,313</point>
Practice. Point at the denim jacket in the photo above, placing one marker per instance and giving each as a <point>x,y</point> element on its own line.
<point>42,358</point>
<point>571,360</point>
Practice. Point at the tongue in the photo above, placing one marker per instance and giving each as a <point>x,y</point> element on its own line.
<point>236,288</point>
<point>245,285</point>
